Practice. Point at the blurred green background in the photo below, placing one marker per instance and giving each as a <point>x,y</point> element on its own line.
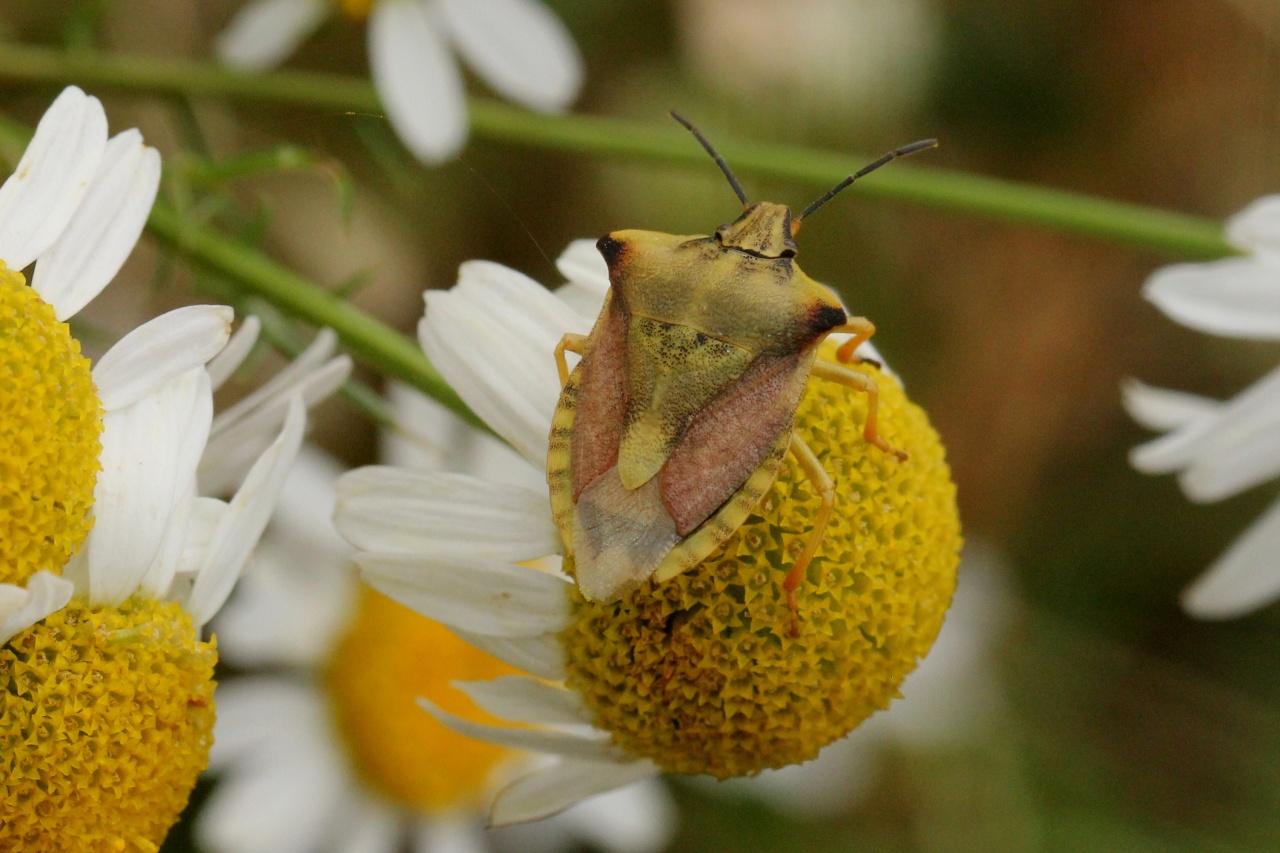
<point>1122,724</point>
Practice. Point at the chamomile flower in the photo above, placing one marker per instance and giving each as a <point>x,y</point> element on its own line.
<point>111,558</point>
<point>330,750</point>
<point>518,47</point>
<point>698,674</point>
<point>1221,448</point>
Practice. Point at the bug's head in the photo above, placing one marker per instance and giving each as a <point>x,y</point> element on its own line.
<point>764,229</point>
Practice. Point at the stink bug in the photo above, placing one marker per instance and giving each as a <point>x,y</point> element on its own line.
<point>674,424</point>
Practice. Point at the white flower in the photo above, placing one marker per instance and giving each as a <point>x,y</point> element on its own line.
<point>120,554</point>
<point>76,205</point>
<point>1219,449</point>
<point>290,778</point>
<point>518,47</point>
<point>450,545</point>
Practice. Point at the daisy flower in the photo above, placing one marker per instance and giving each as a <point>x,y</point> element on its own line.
<point>698,674</point>
<point>518,47</point>
<point>112,559</point>
<point>330,751</point>
<point>1221,448</point>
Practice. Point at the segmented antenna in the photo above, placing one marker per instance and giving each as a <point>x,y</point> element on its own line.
<point>913,148</point>
<point>724,167</point>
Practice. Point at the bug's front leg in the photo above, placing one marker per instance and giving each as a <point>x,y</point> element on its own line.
<point>862,329</point>
<point>816,475</point>
<point>859,382</point>
<point>572,343</point>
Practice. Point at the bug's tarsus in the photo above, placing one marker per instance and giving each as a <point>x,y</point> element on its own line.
<point>724,167</point>
<point>913,148</point>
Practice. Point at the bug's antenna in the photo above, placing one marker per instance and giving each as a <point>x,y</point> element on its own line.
<point>724,167</point>
<point>913,148</point>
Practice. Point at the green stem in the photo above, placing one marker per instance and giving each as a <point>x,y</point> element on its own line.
<point>1136,225</point>
<point>368,339</point>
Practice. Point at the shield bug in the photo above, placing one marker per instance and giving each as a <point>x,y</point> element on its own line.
<point>675,421</point>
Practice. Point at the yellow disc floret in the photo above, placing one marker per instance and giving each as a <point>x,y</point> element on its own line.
<point>50,423</point>
<point>106,719</point>
<point>700,673</point>
<point>389,657</point>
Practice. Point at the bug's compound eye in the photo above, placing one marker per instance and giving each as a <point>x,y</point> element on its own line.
<point>611,248</point>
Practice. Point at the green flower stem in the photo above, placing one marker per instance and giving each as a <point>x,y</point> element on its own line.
<point>366,338</point>
<point>1151,228</point>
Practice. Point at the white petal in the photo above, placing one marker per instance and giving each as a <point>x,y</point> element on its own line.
<point>104,229</point>
<point>417,79</point>
<point>249,511</point>
<point>291,604</point>
<point>235,352</point>
<point>52,178</point>
<point>1236,297</point>
<point>592,748</point>
<point>288,608</point>
<point>493,337</point>
<point>375,827</point>
<point>1243,579</point>
<point>519,47</point>
<point>259,712</point>
<point>540,655</point>
<point>1163,409</point>
<point>286,804</point>
<point>481,596</point>
<point>582,264</point>
<point>206,515</point>
<point>1257,227</point>
<point>264,32</point>
<point>443,834</point>
<point>519,698</point>
<point>149,452</point>
<point>552,790</point>
<point>232,451</point>
<point>428,436</point>
<point>1203,438</point>
<point>158,350</point>
<point>393,510</point>
<point>588,275</point>
<point>155,584</point>
<point>21,608</point>
<point>1249,459</point>
<point>282,385</point>
<point>638,818</point>
<point>242,432</point>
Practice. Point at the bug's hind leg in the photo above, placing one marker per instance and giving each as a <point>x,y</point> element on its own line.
<point>571,343</point>
<point>816,475</point>
<point>860,382</point>
<point>862,329</point>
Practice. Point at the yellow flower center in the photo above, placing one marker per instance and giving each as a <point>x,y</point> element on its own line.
<point>106,719</point>
<point>356,9</point>
<point>390,656</point>
<point>700,673</point>
<point>50,423</point>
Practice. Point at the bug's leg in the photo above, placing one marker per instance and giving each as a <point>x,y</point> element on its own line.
<point>859,382</point>
<point>574,344</point>
<point>813,470</point>
<point>862,329</point>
